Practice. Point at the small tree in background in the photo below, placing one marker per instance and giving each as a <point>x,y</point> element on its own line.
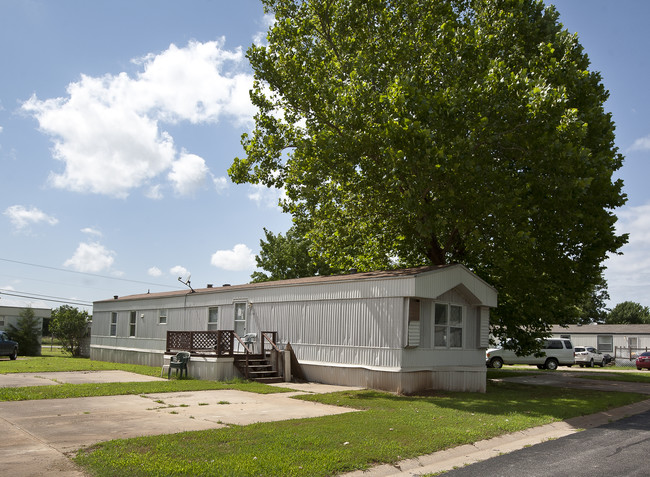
<point>288,256</point>
<point>70,325</point>
<point>593,307</point>
<point>26,333</point>
<point>629,313</point>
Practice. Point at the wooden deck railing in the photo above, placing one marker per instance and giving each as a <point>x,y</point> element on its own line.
<point>220,342</point>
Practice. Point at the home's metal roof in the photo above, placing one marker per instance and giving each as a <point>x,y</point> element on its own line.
<point>374,275</point>
<point>602,329</point>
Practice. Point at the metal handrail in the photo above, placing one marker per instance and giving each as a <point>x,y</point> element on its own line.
<point>270,340</point>
<point>248,351</point>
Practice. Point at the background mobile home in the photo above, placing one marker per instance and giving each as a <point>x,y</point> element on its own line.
<point>401,330</point>
<point>623,342</point>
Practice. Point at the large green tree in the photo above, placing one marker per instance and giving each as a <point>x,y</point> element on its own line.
<point>70,325</point>
<point>413,132</point>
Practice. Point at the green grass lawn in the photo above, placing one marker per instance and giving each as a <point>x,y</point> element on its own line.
<point>639,377</point>
<point>57,361</point>
<point>42,364</point>
<point>64,391</point>
<point>606,374</point>
<point>389,428</point>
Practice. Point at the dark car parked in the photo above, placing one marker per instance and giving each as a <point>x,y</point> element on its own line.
<point>643,361</point>
<point>8,347</point>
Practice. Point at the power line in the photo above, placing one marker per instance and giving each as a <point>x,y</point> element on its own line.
<point>38,295</point>
<point>46,298</point>
<point>85,273</point>
<point>60,283</point>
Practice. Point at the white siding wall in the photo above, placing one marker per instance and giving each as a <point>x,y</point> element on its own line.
<point>335,331</point>
<point>364,332</point>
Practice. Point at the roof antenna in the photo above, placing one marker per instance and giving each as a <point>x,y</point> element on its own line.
<point>187,282</point>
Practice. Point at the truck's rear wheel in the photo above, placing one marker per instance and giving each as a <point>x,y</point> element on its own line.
<point>551,364</point>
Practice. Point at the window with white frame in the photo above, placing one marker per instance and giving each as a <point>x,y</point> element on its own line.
<point>132,322</point>
<point>113,324</point>
<point>162,317</point>
<point>605,343</point>
<point>213,319</point>
<point>448,326</point>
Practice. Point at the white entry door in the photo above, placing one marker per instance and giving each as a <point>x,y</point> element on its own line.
<point>241,319</point>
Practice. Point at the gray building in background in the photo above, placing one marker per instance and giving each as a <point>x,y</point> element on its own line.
<point>9,315</point>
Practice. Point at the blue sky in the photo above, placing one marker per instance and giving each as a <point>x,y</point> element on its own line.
<point>119,119</point>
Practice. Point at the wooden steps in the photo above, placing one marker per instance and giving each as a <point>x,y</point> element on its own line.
<point>259,369</point>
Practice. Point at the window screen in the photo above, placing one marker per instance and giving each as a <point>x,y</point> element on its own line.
<point>213,319</point>
<point>448,326</point>
<point>132,322</point>
<point>113,331</point>
<point>605,343</point>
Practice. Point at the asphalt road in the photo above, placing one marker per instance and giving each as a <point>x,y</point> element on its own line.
<point>617,449</point>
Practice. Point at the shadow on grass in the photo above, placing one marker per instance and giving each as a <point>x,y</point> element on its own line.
<point>501,398</point>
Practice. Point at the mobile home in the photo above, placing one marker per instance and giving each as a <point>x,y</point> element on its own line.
<point>400,330</point>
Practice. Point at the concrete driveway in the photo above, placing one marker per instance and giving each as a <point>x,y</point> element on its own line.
<point>15,380</point>
<point>574,381</point>
<point>37,436</point>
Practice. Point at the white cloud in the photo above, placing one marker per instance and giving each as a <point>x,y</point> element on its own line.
<point>154,192</point>
<point>91,257</point>
<point>259,38</point>
<point>221,184</point>
<point>266,196</point>
<point>107,130</point>
<point>22,217</point>
<point>179,271</point>
<point>628,275</point>
<point>239,258</point>
<point>107,147</point>
<point>641,144</point>
<point>154,272</point>
<point>188,174</point>
<point>200,83</point>
<point>91,231</point>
